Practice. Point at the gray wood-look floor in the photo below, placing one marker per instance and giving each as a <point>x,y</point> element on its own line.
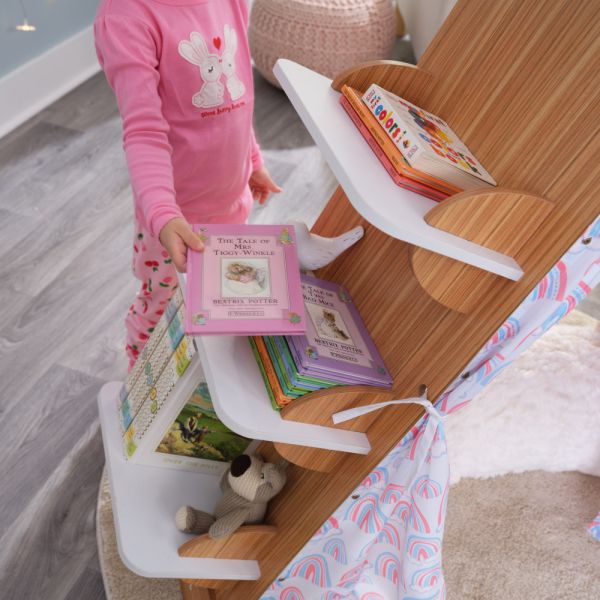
<point>65,233</point>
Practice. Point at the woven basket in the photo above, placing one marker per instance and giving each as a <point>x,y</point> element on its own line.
<point>326,36</point>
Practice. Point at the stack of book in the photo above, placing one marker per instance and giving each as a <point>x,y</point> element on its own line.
<point>165,410</point>
<point>417,148</point>
<point>336,350</point>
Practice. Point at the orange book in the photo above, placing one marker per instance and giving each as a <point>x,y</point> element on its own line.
<point>280,398</point>
<point>390,149</point>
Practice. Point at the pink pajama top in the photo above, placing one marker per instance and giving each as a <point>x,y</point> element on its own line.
<point>181,72</point>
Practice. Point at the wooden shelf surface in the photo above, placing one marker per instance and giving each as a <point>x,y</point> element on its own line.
<point>392,209</point>
<point>145,500</point>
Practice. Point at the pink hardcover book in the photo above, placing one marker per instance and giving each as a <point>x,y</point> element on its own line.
<point>245,282</point>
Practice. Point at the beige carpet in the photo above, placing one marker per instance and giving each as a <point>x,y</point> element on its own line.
<point>522,537</point>
<point>516,537</point>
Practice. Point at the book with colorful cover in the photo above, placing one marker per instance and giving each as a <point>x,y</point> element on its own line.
<point>425,140</point>
<point>177,427</point>
<point>197,440</point>
<point>246,281</point>
<point>387,153</point>
<point>337,343</point>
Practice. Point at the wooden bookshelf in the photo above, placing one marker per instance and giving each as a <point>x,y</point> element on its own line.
<point>519,83</point>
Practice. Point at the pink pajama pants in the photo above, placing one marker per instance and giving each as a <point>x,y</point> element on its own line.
<point>155,270</point>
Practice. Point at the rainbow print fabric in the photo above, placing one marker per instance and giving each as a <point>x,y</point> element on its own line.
<point>385,541</point>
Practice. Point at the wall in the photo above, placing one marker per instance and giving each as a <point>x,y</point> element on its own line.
<point>56,20</point>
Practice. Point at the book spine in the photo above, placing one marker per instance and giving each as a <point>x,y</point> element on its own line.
<point>153,458</point>
<point>391,123</point>
<point>263,374</point>
<point>381,155</point>
<point>398,179</point>
<point>138,432</point>
<point>172,308</point>
<point>280,398</point>
<point>163,350</point>
<point>391,150</point>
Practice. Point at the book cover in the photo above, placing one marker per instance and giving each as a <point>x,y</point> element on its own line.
<point>389,148</point>
<point>197,440</point>
<point>426,141</point>
<point>337,343</point>
<point>399,179</point>
<point>245,282</point>
<point>142,430</point>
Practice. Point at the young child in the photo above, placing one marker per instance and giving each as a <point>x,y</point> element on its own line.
<point>181,72</point>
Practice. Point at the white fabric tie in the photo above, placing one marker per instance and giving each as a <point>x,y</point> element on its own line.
<point>353,413</point>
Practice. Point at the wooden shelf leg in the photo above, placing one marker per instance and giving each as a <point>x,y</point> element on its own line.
<point>194,592</point>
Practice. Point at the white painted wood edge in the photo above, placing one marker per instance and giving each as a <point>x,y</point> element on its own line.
<point>241,401</point>
<point>144,497</point>
<point>396,211</point>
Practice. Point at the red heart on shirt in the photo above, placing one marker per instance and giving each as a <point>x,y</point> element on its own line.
<point>217,42</point>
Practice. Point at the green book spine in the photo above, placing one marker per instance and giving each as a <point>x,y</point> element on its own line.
<point>264,374</point>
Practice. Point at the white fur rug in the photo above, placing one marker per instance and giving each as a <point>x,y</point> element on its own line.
<point>540,413</point>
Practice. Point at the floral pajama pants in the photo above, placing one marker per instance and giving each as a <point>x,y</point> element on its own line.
<point>158,277</point>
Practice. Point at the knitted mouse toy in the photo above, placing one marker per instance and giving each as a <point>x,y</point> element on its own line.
<point>247,487</point>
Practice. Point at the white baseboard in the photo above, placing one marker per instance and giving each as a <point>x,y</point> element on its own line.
<point>33,86</point>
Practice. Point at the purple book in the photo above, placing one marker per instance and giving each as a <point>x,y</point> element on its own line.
<point>245,282</point>
<point>337,343</point>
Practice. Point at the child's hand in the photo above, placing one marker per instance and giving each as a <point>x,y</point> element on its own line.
<point>261,185</point>
<point>176,236</point>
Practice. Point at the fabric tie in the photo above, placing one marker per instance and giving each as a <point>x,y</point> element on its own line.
<point>357,411</point>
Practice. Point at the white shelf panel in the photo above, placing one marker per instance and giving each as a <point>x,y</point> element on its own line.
<point>241,401</point>
<point>392,209</point>
<point>145,500</point>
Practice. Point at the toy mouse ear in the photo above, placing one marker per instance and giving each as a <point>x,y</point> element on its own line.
<point>240,465</point>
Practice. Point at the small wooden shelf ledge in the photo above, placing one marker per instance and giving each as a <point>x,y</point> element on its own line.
<point>145,500</point>
<point>392,209</point>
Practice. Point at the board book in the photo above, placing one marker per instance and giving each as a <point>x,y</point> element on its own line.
<point>425,140</point>
<point>387,152</point>
<point>246,281</point>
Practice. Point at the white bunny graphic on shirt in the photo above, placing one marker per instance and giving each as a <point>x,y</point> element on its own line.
<point>196,52</point>
<point>235,87</point>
